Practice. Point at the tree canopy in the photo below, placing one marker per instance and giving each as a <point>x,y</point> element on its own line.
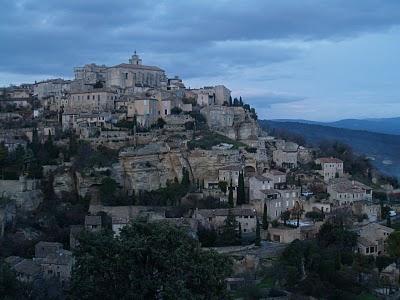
<point>147,261</point>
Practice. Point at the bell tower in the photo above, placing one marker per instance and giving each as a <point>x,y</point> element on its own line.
<point>135,60</point>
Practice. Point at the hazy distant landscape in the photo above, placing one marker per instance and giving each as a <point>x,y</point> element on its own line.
<point>382,148</point>
<point>380,125</point>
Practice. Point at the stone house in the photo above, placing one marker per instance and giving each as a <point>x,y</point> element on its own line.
<point>330,167</point>
<point>286,235</point>
<point>26,270</point>
<point>97,99</point>
<point>229,173</point>
<point>25,192</point>
<point>93,223</point>
<point>42,249</point>
<point>366,208</point>
<point>145,110</point>
<point>215,218</point>
<point>344,191</point>
<point>212,95</point>
<point>278,178</point>
<point>258,183</point>
<point>54,261</point>
<point>287,156</point>
<point>372,239</point>
<point>279,201</point>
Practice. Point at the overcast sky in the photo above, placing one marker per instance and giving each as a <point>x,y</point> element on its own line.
<point>317,60</point>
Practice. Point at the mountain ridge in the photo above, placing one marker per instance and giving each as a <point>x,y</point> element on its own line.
<point>383,149</point>
<point>379,125</point>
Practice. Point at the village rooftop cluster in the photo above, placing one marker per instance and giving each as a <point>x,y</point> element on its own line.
<point>136,144</point>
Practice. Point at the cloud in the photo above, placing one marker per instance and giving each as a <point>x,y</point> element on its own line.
<point>199,37</point>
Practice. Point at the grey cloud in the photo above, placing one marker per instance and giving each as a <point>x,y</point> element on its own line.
<point>197,37</point>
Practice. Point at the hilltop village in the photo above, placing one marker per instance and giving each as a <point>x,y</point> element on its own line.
<point>126,142</point>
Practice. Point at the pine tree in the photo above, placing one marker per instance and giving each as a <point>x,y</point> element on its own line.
<point>265,223</point>
<point>229,234</point>
<point>230,196</point>
<point>258,234</point>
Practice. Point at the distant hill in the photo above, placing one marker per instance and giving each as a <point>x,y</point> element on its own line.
<point>381,125</point>
<point>384,149</point>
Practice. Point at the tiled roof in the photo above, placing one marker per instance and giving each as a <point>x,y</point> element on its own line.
<point>332,160</point>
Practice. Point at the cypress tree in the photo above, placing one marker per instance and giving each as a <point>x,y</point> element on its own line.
<point>388,221</point>
<point>229,235</point>
<point>230,196</point>
<point>230,101</point>
<point>258,234</point>
<point>265,217</point>
<point>241,195</point>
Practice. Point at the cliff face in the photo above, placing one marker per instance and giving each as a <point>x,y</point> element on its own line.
<point>233,122</point>
<point>150,168</point>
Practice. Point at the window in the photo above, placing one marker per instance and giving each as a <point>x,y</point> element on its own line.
<point>88,97</point>
<point>166,111</point>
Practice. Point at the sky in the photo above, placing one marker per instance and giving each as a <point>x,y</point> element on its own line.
<point>311,59</point>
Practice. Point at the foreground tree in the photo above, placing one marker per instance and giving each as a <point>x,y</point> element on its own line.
<point>147,261</point>
<point>265,222</point>
<point>394,244</point>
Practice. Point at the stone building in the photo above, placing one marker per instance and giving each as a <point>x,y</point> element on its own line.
<point>25,192</point>
<point>212,95</point>
<point>131,76</point>
<point>278,178</point>
<point>330,167</point>
<point>372,239</point>
<point>286,156</point>
<point>101,99</point>
<point>55,262</point>
<point>214,218</point>
<point>93,223</point>
<point>56,88</point>
<point>344,191</point>
<point>257,184</point>
<point>26,270</point>
<point>145,110</point>
<point>278,201</point>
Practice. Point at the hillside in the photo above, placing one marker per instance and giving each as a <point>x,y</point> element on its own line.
<point>384,149</point>
<point>380,125</point>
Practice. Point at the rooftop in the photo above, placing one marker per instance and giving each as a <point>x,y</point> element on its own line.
<point>332,160</point>
<point>225,211</point>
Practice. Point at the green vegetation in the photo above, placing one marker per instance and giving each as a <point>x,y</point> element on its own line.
<point>209,139</point>
<point>230,196</point>
<point>393,243</point>
<point>241,194</point>
<point>327,267</point>
<point>147,261</point>
<point>170,195</point>
<point>87,157</point>
<point>265,222</point>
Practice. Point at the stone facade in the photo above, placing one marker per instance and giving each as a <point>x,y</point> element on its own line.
<point>344,191</point>
<point>330,167</point>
